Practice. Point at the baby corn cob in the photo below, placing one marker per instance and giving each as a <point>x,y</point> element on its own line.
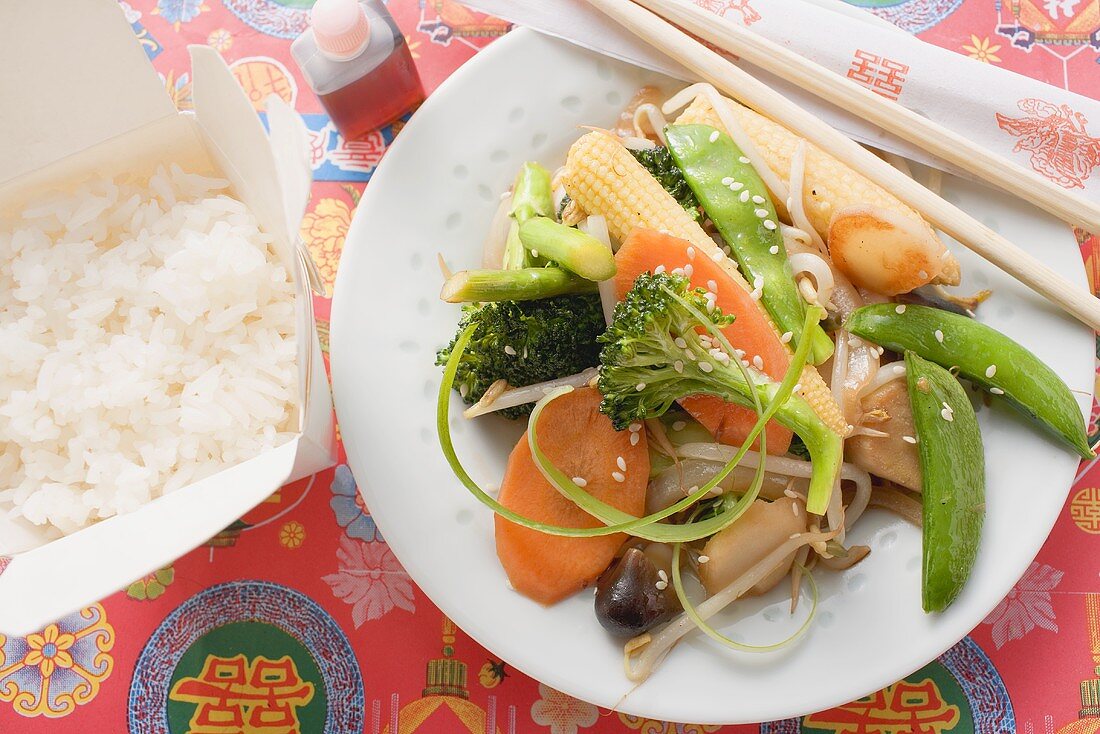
<point>604,178</point>
<point>829,185</point>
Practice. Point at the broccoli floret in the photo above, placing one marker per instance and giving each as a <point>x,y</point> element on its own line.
<point>654,354</point>
<point>525,342</point>
<point>659,162</point>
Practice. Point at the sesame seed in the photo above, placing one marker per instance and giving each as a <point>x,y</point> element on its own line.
<point>991,370</point>
<point>727,180</point>
<point>679,341</point>
<point>745,196</point>
<point>689,270</point>
<point>706,366</point>
<point>744,159</point>
<point>762,213</point>
<point>635,427</point>
<point>678,365</point>
<point>662,575</point>
<point>463,390</point>
<point>678,271</point>
<point>679,426</point>
<point>772,226</point>
<point>580,481</point>
<point>634,439</point>
<point>659,269</point>
<point>704,559</point>
<point>794,535</point>
<point>758,282</point>
<point>739,352</point>
<point>758,199</point>
<point>996,391</point>
<point>736,186</point>
<point>899,368</point>
<point>939,336</point>
<point>691,253</point>
<point>880,351</point>
<point>786,336</point>
<point>798,387</point>
<point>758,362</point>
<point>908,439</point>
<point>534,252</point>
<point>509,350</point>
<point>717,256</point>
<point>689,354</point>
<point>774,249</point>
<point>900,308</point>
<point>621,463</point>
<point>714,136</point>
<point>640,386</point>
<point>618,476</point>
<point>661,585</point>
<point>712,285</point>
<point>947,415</point>
<point>791,493</point>
<point>922,274</point>
<point>756,294</point>
<point>794,509</point>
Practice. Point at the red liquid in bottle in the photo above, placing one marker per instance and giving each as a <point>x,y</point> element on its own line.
<point>377,99</point>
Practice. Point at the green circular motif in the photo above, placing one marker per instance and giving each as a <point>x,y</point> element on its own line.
<point>253,640</point>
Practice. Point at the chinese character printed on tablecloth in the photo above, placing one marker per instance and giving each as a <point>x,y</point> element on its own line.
<point>238,696</point>
<point>880,74</point>
<point>902,707</point>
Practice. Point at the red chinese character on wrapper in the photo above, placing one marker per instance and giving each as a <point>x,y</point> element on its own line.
<point>358,156</point>
<point>235,696</point>
<point>1060,146</point>
<point>880,74</point>
<point>903,708</point>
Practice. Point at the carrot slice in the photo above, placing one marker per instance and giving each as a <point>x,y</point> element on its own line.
<point>643,251</point>
<point>580,441</point>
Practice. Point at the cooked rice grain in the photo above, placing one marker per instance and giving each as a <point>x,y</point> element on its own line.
<point>147,334</point>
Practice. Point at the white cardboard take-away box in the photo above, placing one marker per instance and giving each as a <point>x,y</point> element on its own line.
<point>77,95</point>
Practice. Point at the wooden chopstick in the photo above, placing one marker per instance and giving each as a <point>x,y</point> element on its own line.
<point>973,234</point>
<point>930,136</point>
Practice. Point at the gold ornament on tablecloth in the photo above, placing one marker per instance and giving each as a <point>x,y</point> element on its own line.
<point>1089,715</point>
<point>1084,509</point>
<point>262,76</point>
<point>445,705</point>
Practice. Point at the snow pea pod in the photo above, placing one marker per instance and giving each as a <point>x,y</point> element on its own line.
<point>734,197</point>
<point>984,356</point>
<point>952,466</point>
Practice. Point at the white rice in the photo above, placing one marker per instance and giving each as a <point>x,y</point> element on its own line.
<point>146,342</point>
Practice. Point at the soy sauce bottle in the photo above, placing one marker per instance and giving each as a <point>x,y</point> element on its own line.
<point>356,60</point>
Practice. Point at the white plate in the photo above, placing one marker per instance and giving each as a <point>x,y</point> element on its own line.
<point>436,191</point>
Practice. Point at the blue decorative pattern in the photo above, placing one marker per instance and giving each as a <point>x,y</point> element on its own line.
<point>247,601</point>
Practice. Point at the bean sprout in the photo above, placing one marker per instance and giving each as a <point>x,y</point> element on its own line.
<point>820,290</point>
<point>494,400</point>
<point>797,202</point>
<point>596,226</point>
<point>651,114</point>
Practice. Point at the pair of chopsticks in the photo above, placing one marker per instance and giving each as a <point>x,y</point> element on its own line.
<point>949,146</point>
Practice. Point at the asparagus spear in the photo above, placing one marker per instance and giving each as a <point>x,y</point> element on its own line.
<point>531,197</point>
<point>523,284</point>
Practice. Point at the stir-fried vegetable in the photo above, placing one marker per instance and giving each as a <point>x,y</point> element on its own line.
<point>526,342</point>
<point>988,358</point>
<point>736,200</point>
<point>654,355</point>
<point>531,197</point>
<point>660,164</point>
<point>570,248</point>
<point>952,479</point>
<point>523,284</point>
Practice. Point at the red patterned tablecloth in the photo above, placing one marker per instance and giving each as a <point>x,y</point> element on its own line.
<point>299,618</point>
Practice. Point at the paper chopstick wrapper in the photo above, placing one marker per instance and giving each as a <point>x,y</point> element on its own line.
<point>1027,121</point>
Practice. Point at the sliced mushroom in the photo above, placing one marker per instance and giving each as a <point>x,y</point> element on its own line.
<point>764,527</point>
<point>893,456</point>
<point>635,593</point>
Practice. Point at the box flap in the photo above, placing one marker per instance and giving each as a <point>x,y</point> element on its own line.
<point>74,77</point>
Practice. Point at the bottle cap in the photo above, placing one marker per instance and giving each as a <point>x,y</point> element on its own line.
<point>340,27</point>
